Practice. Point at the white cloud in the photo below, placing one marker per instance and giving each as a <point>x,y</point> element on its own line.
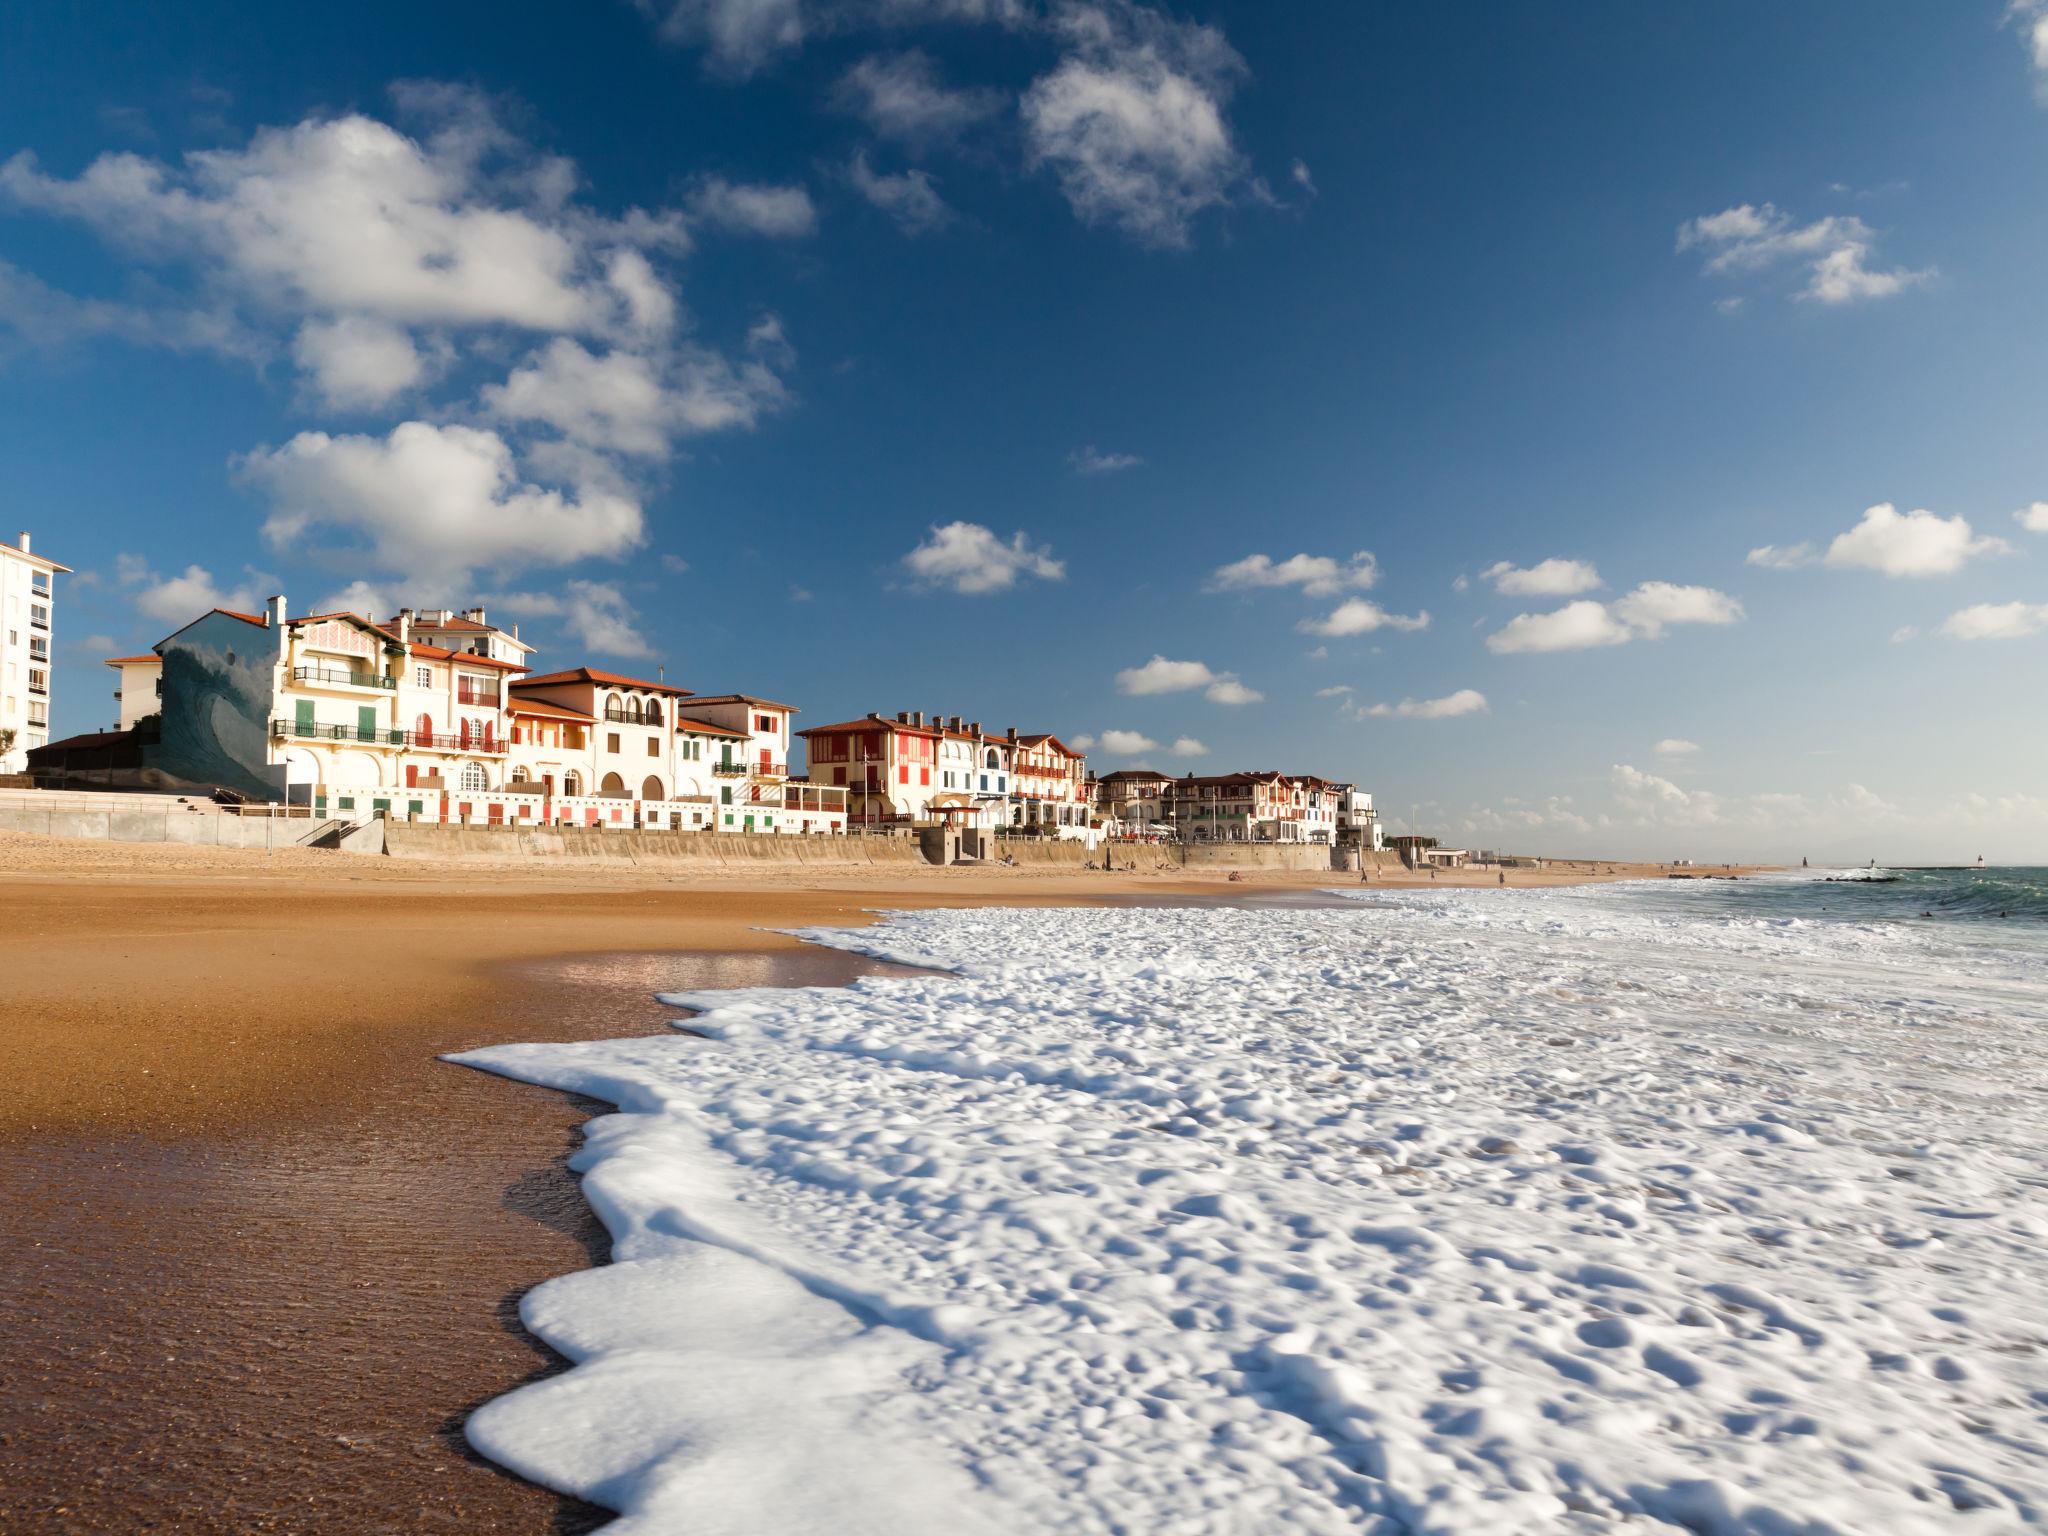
<point>430,503</point>
<point>2031,16</point>
<point>1361,616</point>
<point>1132,123</point>
<point>1653,799</point>
<point>1904,633</point>
<point>1836,251</point>
<point>908,197</point>
<point>1316,575</point>
<point>2034,518</point>
<point>1676,746</point>
<point>1081,743</point>
<point>182,598</point>
<point>1781,557</point>
<point>358,596</point>
<point>775,212</point>
<point>1996,621</point>
<point>1159,675</point>
<point>1186,746</point>
<point>1546,578</point>
<point>1337,692</point>
<point>357,362</point>
<point>900,97</point>
<point>1915,543</point>
<point>1461,582</point>
<point>1126,743</point>
<point>1643,614</point>
<point>1466,701</point>
<point>595,614</point>
<point>1574,627</point>
<point>632,403</point>
<point>738,36</point>
<point>1655,604</point>
<point>970,559</point>
<point>1086,460</point>
<point>35,315</point>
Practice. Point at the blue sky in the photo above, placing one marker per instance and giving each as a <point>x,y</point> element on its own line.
<point>962,354</point>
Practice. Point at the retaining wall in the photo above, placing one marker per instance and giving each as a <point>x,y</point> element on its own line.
<point>206,829</point>
<point>418,840</point>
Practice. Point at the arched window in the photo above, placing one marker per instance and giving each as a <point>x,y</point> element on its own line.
<point>490,736</point>
<point>572,783</point>
<point>650,789</point>
<point>612,785</point>
<point>993,760</point>
<point>613,709</point>
<point>474,777</point>
<point>654,711</point>
<point>463,735</point>
<point>519,776</point>
<point>423,728</point>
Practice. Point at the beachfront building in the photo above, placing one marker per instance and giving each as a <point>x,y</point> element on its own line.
<point>551,746</point>
<point>138,688</point>
<point>467,632</point>
<point>1358,825</point>
<point>1312,815</point>
<point>1135,798</point>
<point>28,602</point>
<point>756,792</point>
<point>974,772</point>
<point>1049,787</point>
<point>888,768</point>
<point>631,734</point>
<point>1226,807</point>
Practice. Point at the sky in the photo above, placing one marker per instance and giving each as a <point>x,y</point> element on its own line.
<point>1611,428</point>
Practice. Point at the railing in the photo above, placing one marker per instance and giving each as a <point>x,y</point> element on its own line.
<point>380,736</point>
<point>343,676</point>
<point>730,770</point>
<point>769,770</point>
<point>467,692</point>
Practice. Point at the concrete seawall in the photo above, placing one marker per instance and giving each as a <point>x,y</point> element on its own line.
<point>417,840</point>
<point>146,824</point>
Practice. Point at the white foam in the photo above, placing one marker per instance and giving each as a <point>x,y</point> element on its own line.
<point>1466,1212</point>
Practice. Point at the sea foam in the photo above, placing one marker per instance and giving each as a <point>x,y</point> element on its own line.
<point>1454,1212</point>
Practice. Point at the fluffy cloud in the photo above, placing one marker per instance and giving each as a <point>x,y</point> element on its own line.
<point>1836,251</point>
<point>1643,614</point>
<point>1781,557</point>
<point>908,197</point>
<point>1187,746</point>
<point>969,558</point>
<point>634,403</point>
<point>34,315</point>
<point>1361,616</point>
<point>1086,460</point>
<point>2034,518</point>
<point>1676,746</point>
<point>1466,701</point>
<point>1546,578</point>
<point>1316,575</point>
<point>1126,743</point>
<point>595,614</point>
<point>1915,543</point>
<point>1159,675</point>
<point>777,213</point>
<point>182,598</point>
<point>738,36</point>
<point>1652,799</point>
<point>1131,121</point>
<point>1996,621</point>
<point>900,97</point>
<point>431,503</point>
<point>2031,17</point>
<point>357,362</point>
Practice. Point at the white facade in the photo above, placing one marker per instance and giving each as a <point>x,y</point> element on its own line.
<point>138,688</point>
<point>27,646</point>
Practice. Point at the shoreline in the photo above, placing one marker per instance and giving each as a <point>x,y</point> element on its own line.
<point>268,1249</point>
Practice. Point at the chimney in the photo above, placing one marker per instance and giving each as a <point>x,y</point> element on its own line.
<point>515,631</point>
<point>1013,735</point>
<point>974,727</point>
<point>273,612</point>
<point>405,626</point>
<point>903,717</point>
<point>476,615</point>
<point>24,541</point>
<point>956,722</point>
<point>918,719</point>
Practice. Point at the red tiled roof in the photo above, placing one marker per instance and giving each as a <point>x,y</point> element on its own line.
<point>607,679</point>
<point>131,661</point>
<point>741,698</point>
<point>246,618</point>
<point>706,727</point>
<point>1033,741</point>
<point>847,726</point>
<point>541,707</point>
<point>442,653</point>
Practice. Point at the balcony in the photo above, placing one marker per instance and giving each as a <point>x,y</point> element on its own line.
<point>769,770</point>
<point>469,692</point>
<point>342,677</point>
<point>379,736</point>
<point>730,770</point>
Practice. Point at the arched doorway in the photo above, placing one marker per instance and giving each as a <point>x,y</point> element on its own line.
<point>612,785</point>
<point>572,783</point>
<point>650,789</point>
<point>474,777</point>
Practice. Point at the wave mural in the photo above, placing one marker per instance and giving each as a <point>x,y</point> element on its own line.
<point>220,674</point>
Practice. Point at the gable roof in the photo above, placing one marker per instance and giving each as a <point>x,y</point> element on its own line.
<point>133,661</point>
<point>246,618</point>
<point>542,709</point>
<point>871,723</point>
<point>707,728</point>
<point>603,679</point>
<point>740,698</point>
<point>1046,736</point>
<point>354,618</point>
<point>466,658</point>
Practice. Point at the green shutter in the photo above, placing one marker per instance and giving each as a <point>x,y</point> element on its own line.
<point>304,711</point>
<point>366,722</point>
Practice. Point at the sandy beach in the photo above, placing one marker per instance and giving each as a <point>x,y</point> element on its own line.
<point>268,1249</point>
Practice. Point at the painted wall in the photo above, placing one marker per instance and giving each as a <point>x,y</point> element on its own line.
<point>220,675</point>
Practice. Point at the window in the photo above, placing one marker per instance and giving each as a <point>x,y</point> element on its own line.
<point>474,777</point>
<point>572,783</point>
<point>38,680</point>
<point>725,796</point>
<point>764,723</point>
<point>39,616</point>
<point>650,789</point>
<point>903,773</point>
<point>654,746</point>
<point>924,776</point>
<point>423,677</point>
<point>611,741</point>
<point>519,776</point>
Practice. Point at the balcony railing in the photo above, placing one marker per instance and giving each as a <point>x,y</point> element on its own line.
<point>379,736</point>
<point>343,677</point>
<point>730,770</point>
<point>467,692</point>
<point>769,770</point>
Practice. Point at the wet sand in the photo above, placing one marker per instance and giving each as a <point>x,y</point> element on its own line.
<point>264,1251</point>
